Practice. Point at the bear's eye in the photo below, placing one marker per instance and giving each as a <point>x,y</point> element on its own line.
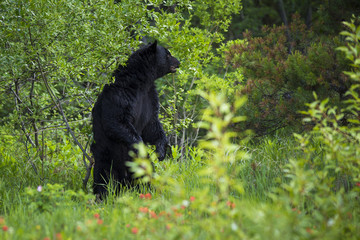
<point>168,55</point>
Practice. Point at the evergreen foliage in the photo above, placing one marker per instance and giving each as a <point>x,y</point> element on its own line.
<point>282,69</point>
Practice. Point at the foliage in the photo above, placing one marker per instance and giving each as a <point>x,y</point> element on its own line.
<point>187,202</point>
<point>191,37</point>
<point>49,197</point>
<point>325,182</point>
<point>54,63</point>
<point>282,69</point>
<point>323,16</point>
<point>224,155</point>
<point>61,163</point>
<point>223,186</point>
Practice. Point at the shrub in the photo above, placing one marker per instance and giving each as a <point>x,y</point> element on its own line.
<point>54,63</point>
<point>281,70</point>
<point>324,183</point>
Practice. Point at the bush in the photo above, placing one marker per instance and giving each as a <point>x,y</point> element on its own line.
<point>54,63</point>
<point>324,183</point>
<point>281,70</point>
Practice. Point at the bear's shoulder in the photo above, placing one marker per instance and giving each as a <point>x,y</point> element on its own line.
<point>116,95</point>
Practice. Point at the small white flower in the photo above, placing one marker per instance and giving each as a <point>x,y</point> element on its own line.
<point>11,230</point>
<point>185,203</point>
<point>39,188</point>
<point>234,227</point>
<point>330,222</point>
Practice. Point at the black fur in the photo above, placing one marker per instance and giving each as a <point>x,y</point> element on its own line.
<point>126,112</point>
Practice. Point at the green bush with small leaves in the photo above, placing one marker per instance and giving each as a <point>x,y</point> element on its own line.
<point>56,56</point>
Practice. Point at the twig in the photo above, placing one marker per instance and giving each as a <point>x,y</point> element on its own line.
<point>59,107</point>
<point>23,128</point>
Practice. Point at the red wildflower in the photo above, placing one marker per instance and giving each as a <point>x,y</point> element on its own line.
<point>153,214</point>
<point>296,210</point>
<point>192,198</point>
<point>134,230</point>
<point>127,225</point>
<point>141,196</point>
<point>143,209</point>
<point>358,184</point>
<point>178,214</point>
<point>148,196</point>
<point>168,226</point>
<point>5,228</point>
<point>183,207</point>
<point>58,236</point>
<point>99,221</point>
<point>97,216</point>
<point>230,204</point>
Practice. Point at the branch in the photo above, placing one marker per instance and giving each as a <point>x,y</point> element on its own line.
<point>284,19</point>
<point>59,107</point>
<point>23,128</point>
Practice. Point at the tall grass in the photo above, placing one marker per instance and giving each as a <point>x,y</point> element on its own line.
<point>129,216</point>
<point>59,213</point>
<point>183,202</point>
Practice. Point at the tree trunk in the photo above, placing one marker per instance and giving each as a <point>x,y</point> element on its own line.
<point>308,20</point>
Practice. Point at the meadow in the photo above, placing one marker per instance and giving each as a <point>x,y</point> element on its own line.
<point>253,188</point>
<point>186,206</point>
<point>294,175</point>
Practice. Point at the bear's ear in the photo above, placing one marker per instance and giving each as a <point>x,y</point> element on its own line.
<point>153,46</point>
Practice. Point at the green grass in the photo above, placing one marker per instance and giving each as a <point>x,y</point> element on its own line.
<point>57,212</point>
<point>26,219</point>
<point>264,170</point>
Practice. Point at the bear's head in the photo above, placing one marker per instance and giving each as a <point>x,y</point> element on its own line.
<point>147,64</point>
<point>164,62</point>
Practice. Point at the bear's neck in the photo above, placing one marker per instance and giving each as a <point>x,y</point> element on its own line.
<point>135,75</point>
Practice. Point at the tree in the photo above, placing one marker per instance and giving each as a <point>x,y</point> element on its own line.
<point>323,16</point>
<point>57,55</point>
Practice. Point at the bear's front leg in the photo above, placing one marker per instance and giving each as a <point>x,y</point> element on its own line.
<point>154,134</point>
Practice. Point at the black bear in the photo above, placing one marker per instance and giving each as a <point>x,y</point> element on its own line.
<point>126,112</point>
